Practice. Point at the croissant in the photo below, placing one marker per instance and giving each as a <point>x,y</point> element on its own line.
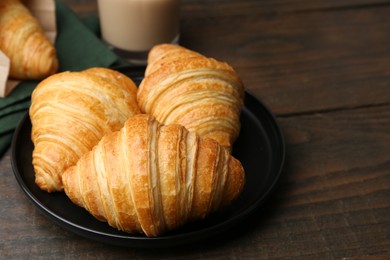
<point>70,112</point>
<point>184,87</point>
<point>31,54</point>
<point>152,178</point>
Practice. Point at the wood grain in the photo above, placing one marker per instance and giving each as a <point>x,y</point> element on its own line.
<point>337,181</point>
<point>303,62</point>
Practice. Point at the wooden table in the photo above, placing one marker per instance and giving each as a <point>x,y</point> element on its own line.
<point>323,68</point>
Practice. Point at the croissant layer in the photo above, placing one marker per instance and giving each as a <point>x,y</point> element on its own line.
<point>152,178</point>
<point>70,112</point>
<point>31,54</point>
<point>184,87</point>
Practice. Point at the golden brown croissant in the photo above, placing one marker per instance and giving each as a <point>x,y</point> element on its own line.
<point>31,54</point>
<point>150,178</point>
<point>200,93</point>
<point>70,112</point>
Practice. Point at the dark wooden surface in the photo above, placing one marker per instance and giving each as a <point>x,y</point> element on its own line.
<point>323,68</point>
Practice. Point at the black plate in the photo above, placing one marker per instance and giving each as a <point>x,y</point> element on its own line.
<point>260,147</point>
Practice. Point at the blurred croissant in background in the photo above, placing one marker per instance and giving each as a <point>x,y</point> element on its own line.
<point>184,87</point>
<point>31,54</point>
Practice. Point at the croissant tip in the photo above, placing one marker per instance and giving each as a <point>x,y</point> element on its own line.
<point>46,185</point>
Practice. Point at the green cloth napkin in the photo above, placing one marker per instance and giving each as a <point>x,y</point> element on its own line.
<point>78,47</point>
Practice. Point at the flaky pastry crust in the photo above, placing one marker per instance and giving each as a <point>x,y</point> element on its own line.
<point>70,112</point>
<point>184,87</point>
<point>152,178</point>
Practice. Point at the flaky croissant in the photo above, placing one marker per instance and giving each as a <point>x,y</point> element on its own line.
<point>187,88</point>
<point>70,112</point>
<point>31,54</point>
<point>150,178</point>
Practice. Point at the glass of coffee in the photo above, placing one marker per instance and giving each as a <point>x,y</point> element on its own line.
<point>132,27</point>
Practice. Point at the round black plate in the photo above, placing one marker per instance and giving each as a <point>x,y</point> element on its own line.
<point>260,147</point>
